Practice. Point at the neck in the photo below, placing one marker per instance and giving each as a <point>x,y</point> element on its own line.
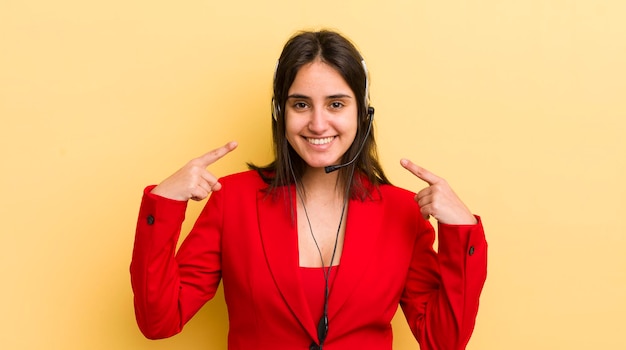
<point>317,182</point>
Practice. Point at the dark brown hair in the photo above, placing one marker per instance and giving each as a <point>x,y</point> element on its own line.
<point>335,50</point>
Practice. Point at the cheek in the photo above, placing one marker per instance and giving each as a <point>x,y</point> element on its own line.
<point>292,130</point>
<point>350,126</point>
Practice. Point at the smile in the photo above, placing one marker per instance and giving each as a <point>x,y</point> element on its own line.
<point>321,141</point>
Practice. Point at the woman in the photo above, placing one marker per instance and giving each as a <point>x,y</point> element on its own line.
<point>311,256</point>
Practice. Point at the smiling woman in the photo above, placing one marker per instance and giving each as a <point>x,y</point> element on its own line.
<point>518,104</point>
<point>309,256</point>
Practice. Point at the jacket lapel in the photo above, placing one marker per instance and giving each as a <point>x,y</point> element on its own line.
<point>279,235</point>
<point>363,230</point>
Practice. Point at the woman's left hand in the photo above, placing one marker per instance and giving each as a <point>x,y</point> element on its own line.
<point>438,199</point>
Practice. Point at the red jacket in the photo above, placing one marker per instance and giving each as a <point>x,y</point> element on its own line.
<point>249,240</point>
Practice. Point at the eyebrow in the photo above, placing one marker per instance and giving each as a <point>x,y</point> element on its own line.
<point>331,97</point>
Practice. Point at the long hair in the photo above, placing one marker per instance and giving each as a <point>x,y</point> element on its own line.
<point>338,52</point>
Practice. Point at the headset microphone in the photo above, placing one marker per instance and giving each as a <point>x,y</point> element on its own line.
<point>370,116</point>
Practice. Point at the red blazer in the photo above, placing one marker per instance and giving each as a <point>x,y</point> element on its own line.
<point>249,240</point>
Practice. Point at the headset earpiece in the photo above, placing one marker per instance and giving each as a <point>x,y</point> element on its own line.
<point>275,109</point>
<point>275,106</point>
<point>367,85</point>
<point>370,114</point>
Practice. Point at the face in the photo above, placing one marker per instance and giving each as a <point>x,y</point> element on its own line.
<point>320,115</point>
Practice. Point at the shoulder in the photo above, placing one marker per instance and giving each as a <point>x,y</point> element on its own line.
<point>394,193</point>
<point>247,180</point>
<point>390,196</point>
<point>398,208</point>
<point>397,200</point>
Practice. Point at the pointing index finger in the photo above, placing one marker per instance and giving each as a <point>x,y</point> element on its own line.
<point>214,155</point>
<point>420,172</point>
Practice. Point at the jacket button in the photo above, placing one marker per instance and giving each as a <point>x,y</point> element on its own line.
<point>471,251</point>
<point>150,219</point>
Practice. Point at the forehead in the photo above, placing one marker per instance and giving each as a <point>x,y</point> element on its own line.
<point>319,78</point>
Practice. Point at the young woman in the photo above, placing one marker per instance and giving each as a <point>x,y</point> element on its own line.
<point>311,256</point>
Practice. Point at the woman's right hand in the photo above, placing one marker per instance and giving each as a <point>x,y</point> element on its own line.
<point>194,181</point>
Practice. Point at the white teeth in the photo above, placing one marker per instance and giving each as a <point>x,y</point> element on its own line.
<point>320,141</point>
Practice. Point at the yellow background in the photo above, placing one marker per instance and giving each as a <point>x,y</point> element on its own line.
<point>520,105</point>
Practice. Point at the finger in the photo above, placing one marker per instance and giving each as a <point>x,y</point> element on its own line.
<point>420,172</point>
<point>203,189</point>
<point>205,186</point>
<point>425,203</point>
<point>424,210</point>
<point>199,194</point>
<point>211,181</point>
<point>209,178</point>
<point>214,155</point>
<point>425,213</point>
<point>424,197</point>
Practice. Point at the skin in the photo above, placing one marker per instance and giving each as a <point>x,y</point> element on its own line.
<point>321,124</point>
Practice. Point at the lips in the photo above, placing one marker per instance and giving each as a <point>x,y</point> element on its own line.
<point>320,141</point>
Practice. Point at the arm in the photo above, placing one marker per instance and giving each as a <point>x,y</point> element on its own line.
<point>443,290</point>
<point>441,296</point>
<point>154,271</point>
<point>169,289</point>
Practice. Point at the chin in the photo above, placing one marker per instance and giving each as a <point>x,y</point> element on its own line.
<point>320,164</point>
<point>318,160</point>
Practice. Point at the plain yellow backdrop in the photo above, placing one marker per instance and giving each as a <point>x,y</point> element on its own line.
<point>520,105</point>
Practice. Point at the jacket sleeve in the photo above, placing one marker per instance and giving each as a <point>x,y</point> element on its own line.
<point>442,292</point>
<point>169,287</point>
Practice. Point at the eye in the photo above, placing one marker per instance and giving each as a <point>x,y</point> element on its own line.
<point>336,104</point>
<point>300,105</point>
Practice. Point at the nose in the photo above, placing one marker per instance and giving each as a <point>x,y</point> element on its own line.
<point>318,122</point>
